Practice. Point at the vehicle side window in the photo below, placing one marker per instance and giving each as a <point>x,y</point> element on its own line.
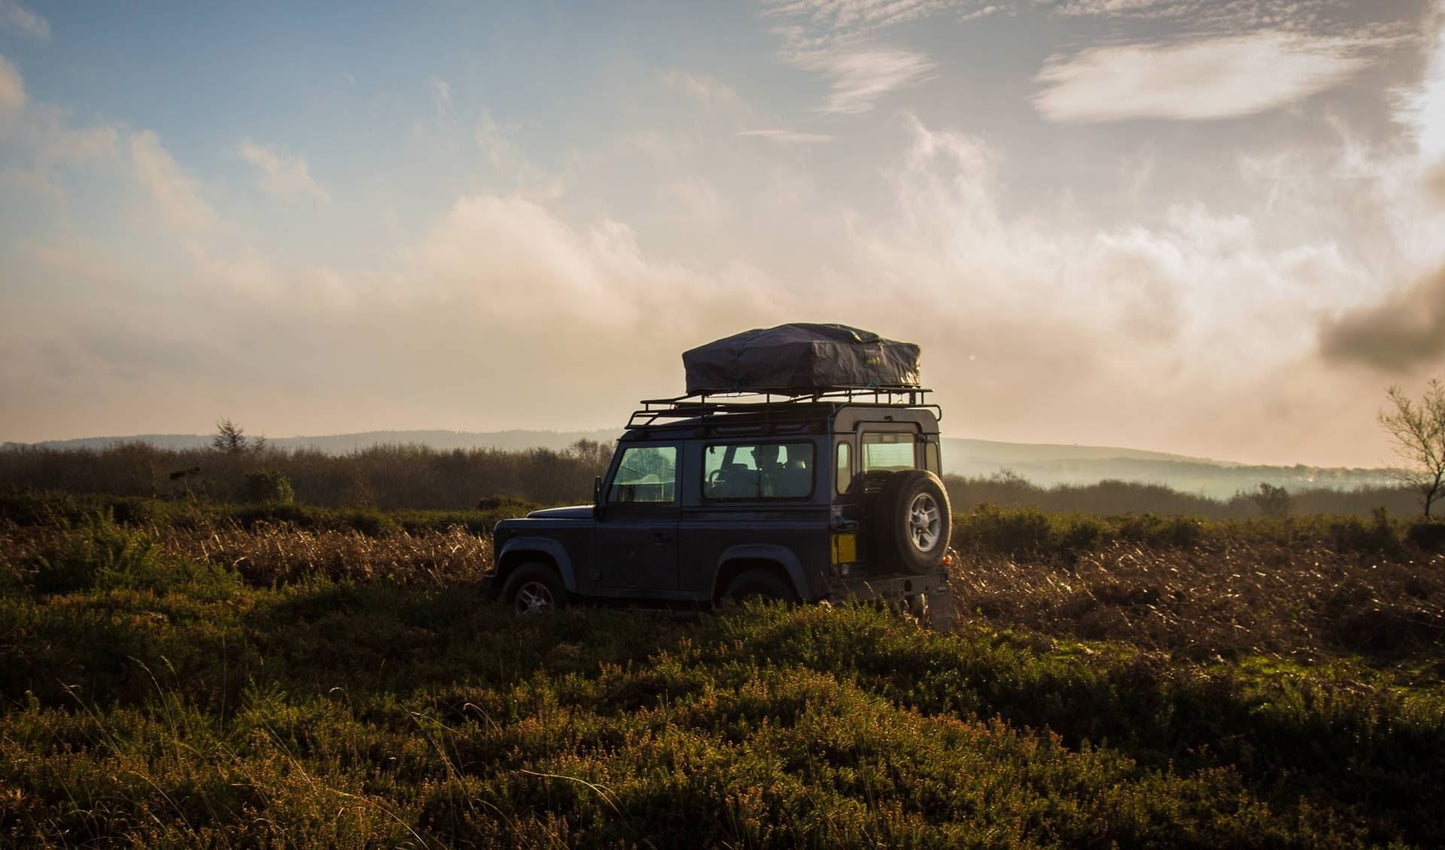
<point>888,452</point>
<point>930,459</point>
<point>758,471</point>
<point>843,472</point>
<point>646,474</point>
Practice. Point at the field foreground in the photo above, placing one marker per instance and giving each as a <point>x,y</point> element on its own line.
<point>215,684</point>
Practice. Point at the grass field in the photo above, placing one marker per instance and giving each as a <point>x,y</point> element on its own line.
<point>188,676</point>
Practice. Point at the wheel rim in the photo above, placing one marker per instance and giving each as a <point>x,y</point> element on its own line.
<point>533,596</point>
<point>924,522</point>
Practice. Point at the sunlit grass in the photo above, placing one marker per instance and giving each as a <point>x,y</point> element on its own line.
<point>192,682</point>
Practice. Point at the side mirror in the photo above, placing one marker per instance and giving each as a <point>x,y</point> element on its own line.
<point>597,497</point>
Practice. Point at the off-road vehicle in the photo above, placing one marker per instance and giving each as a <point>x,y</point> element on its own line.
<point>826,494</point>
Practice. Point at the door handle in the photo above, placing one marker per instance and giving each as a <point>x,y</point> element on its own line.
<point>661,538</point>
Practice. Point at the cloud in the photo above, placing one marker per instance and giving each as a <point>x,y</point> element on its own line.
<point>1148,332</point>
<point>520,261</point>
<point>1315,18</point>
<point>860,77</point>
<point>177,194</point>
<point>441,96</point>
<point>40,136</point>
<point>511,164</point>
<point>30,182</point>
<point>697,198</point>
<point>288,179</point>
<point>12,88</point>
<point>853,18</point>
<point>1423,107</point>
<point>1200,79</point>
<point>711,93</point>
<point>1112,7</point>
<point>787,137</point>
<point>17,19</point>
<point>500,300</point>
<point>1435,184</point>
<point>57,141</point>
<point>1037,318</point>
<point>838,40</point>
<point>1401,334</point>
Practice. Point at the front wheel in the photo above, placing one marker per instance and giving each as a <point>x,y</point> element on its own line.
<point>534,588</point>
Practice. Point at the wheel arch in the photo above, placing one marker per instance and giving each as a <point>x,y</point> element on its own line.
<point>522,550</point>
<point>777,560</point>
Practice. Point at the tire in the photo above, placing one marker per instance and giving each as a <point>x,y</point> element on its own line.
<point>758,584</point>
<point>534,588</point>
<point>912,521</point>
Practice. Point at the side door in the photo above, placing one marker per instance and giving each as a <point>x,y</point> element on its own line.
<point>636,539</point>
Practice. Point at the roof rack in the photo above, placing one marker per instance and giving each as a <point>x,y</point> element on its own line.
<point>704,404</point>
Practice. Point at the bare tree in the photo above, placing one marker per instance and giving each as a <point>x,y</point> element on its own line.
<point>1418,431</point>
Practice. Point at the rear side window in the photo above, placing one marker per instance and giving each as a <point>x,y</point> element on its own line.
<point>758,471</point>
<point>844,470</point>
<point>887,452</point>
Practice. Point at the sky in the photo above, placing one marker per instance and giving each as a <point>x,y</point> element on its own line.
<point>1211,227</point>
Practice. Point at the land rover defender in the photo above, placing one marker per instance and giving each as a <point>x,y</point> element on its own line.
<point>796,493</point>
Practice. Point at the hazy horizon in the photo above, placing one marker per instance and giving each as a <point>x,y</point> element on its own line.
<point>1210,229</point>
<point>566,436</point>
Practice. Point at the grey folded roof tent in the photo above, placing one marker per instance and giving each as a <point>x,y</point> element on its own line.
<point>801,358</point>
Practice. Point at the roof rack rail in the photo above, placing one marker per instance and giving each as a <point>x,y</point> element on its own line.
<point>705,404</point>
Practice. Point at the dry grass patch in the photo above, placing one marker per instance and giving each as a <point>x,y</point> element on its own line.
<point>1216,600</point>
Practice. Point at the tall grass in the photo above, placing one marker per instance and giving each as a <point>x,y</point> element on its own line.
<point>196,680</point>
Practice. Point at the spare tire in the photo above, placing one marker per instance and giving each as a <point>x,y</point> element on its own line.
<point>912,521</point>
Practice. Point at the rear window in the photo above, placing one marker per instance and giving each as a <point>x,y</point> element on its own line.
<point>888,452</point>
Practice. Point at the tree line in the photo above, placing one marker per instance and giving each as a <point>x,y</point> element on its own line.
<point>395,477</point>
<point>387,477</point>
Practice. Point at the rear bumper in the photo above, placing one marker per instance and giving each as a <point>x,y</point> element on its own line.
<point>890,587</point>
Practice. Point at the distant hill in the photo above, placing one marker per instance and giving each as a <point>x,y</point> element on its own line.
<point>343,443</point>
<point>1043,464</point>
<point>1053,465</point>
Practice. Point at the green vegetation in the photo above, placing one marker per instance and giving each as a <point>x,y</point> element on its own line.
<point>183,675</point>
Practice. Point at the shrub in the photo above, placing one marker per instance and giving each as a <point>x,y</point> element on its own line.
<point>78,558</point>
<point>267,487</point>
<point>372,523</point>
<point>1427,536</point>
<point>1020,532</point>
<point>1376,536</point>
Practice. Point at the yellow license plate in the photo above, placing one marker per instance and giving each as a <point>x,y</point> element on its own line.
<point>845,548</point>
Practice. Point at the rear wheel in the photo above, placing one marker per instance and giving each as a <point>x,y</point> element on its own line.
<point>912,521</point>
<point>534,588</point>
<point>758,584</point>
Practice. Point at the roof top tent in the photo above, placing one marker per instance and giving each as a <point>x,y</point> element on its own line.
<point>801,359</point>
<point>767,371</point>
